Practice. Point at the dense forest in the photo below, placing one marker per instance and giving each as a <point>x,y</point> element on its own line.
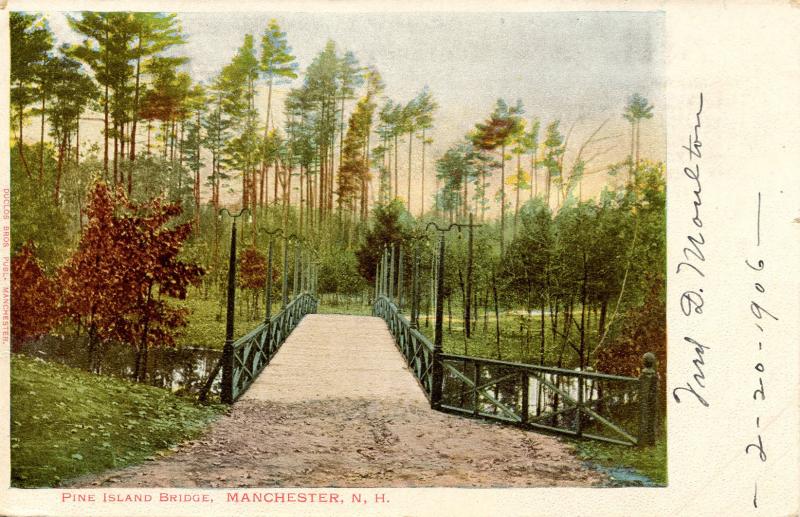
<point>118,235</point>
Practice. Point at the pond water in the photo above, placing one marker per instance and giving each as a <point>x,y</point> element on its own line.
<point>624,476</point>
<point>176,369</point>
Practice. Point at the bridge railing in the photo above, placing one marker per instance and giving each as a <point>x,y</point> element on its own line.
<point>415,347</point>
<point>251,353</point>
<point>586,404</point>
<point>573,402</point>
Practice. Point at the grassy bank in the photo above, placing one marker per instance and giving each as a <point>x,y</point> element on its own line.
<point>66,423</point>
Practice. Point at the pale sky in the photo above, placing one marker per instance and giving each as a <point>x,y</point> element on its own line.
<point>579,67</point>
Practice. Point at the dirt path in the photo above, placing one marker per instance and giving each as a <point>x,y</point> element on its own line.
<point>337,407</point>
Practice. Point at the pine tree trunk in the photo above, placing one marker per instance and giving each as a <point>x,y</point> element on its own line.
<point>135,117</point>
<point>601,325</point>
<point>264,162</point>
<point>410,139</point>
<point>121,149</point>
<point>636,165</point>
<point>547,189</point>
<point>396,176</point>
<point>630,158</point>
<point>21,146</point>
<point>542,337</point>
<point>41,144</point>
<point>533,190</point>
<point>333,175</point>
<point>59,168</point>
<point>78,140</point>
<point>116,153</point>
<point>496,317</point>
<point>502,197</point>
<point>422,178</point>
<point>275,182</point>
<point>583,315</point>
<point>300,205</point>
<point>519,183</point>
<point>464,201</point>
<point>105,108</point>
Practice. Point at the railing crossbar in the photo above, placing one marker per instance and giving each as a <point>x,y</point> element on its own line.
<point>538,368</point>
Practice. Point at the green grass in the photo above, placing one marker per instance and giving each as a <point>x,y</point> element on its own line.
<point>343,304</point>
<point>517,343</point>
<point>206,322</point>
<point>649,461</point>
<point>66,423</point>
<point>519,334</point>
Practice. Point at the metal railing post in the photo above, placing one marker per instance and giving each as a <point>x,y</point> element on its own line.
<point>436,370</point>
<point>285,279</point>
<point>468,287</point>
<point>268,302</point>
<point>526,385</point>
<point>391,275</point>
<point>296,279</point>
<point>579,409</point>
<point>432,289</point>
<point>303,268</point>
<point>648,400</point>
<point>400,279</point>
<point>227,351</point>
<point>268,311</point>
<point>377,280</point>
<point>415,288</point>
<point>384,272</point>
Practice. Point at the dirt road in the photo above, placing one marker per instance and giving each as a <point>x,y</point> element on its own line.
<point>338,408</point>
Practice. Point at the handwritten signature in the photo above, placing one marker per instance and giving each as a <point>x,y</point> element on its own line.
<point>691,301</point>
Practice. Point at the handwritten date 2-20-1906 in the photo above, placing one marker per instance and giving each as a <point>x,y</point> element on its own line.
<point>762,318</point>
<point>692,265</point>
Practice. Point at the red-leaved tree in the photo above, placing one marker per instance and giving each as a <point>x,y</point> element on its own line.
<point>34,310</point>
<point>253,273</point>
<point>645,330</point>
<point>126,263</point>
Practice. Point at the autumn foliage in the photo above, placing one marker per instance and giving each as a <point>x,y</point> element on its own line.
<point>643,331</point>
<point>252,269</point>
<point>126,263</point>
<point>34,309</point>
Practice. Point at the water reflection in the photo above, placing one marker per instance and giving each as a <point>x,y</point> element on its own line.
<point>176,369</point>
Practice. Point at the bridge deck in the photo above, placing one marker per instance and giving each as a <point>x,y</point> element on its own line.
<point>337,407</point>
<point>332,356</point>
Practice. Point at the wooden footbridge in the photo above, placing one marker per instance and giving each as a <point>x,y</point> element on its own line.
<point>381,356</point>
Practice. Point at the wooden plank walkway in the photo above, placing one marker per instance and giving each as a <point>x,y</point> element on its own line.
<point>333,356</point>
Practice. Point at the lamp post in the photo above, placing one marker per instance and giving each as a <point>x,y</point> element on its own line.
<point>312,260</point>
<point>391,274</point>
<point>268,294</point>
<point>227,350</point>
<point>436,370</point>
<point>285,286</point>
<point>416,238</point>
<point>297,265</point>
<point>268,312</point>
